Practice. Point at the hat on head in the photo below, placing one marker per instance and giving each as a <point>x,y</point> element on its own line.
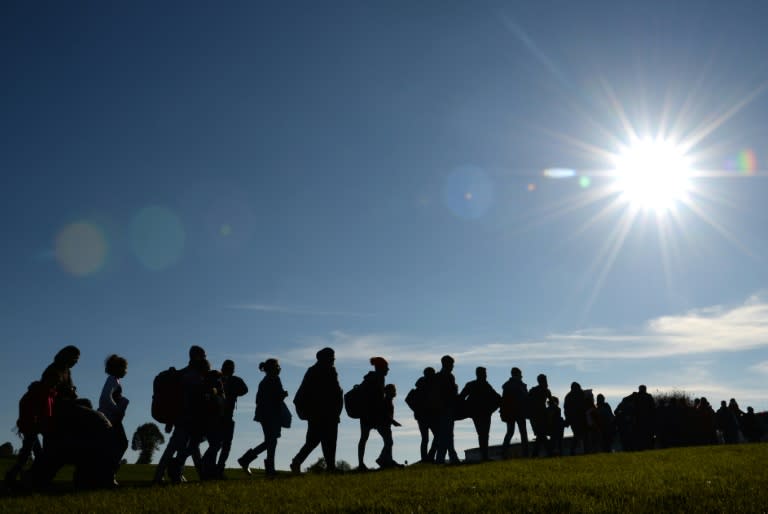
<point>379,362</point>
<point>326,354</point>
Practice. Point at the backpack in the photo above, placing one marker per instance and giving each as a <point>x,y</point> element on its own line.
<point>354,402</point>
<point>412,400</point>
<point>35,408</point>
<point>167,396</point>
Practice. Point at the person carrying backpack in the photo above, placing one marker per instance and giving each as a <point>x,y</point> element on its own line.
<point>319,401</point>
<point>482,400</point>
<point>374,414</point>
<point>180,438</point>
<point>35,419</point>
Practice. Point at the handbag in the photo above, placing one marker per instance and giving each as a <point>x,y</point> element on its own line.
<point>285,416</point>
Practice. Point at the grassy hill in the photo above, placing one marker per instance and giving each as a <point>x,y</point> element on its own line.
<point>702,479</point>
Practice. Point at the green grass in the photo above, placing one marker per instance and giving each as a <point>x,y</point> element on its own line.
<point>706,479</point>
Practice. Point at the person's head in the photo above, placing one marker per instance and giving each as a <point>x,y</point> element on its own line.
<point>642,388</point>
<point>481,373</point>
<point>600,399</point>
<point>326,356</point>
<point>723,404</point>
<point>196,353</point>
<point>541,379</point>
<point>228,368</point>
<point>732,403</point>
<point>116,366</point>
<point>516,373</point>
<point>270,367</point>
<point>575,387</point>
<point>67,356</point>
<point>447,362</point>
<point>201,367</point>
<point>380,364</point>
<point>553,401</point>
<point>429,371</point>
<point>390,391</point>
<point>750,410</point>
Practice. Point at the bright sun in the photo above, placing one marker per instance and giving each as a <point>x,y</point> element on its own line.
<point>652,174</point>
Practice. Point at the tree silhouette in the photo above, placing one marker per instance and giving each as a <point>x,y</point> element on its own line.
<point>320,466</point>
<point>146,440</point>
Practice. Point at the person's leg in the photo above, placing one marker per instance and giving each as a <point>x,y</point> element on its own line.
<point>385,457</point>
<point>227,434</point>
<point>424,431</point>
<point>483,428</point>
<point>523,429</point>
<point>328,441</point>
<point>311,441</point>
<point>364,432</point>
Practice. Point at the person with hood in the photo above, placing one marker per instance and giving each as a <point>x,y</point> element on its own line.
<point>319,400</point>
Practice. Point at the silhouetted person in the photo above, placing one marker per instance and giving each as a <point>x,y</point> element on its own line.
<point>537,410</point>
<point>606,423</point>
<point>514,410</point>
<point>35,419</point>
<point>644,408</point>
<point>374,415</point>
<point>319,400</point>
<point>727,423</point>
<point>733,405</point>
<point>201,410</point>
<point>113,405</point>
<point>483,400</point>
<point>575,410</point>
<point>426,415</point>
<point>445,394</point>
<point>556,425</point>
<point>269,405</point>
<point>750,426</point>
<point>385,459</point>
<point>191,379</point>
<point>234,387</point>
<point>211,422</point>
<point>62,365</point>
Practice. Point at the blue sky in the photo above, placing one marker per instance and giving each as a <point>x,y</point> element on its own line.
<point>266,179</point>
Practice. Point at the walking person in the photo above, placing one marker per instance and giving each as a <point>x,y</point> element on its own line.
<point>514,410</point>
<point>269,411</point>
<point>445,394</point>
<point>374,415</point>
<point>537,402</point>
<point>113,404</point>
<point>483,400</point>
<point>319,400</point>
<point>425,414</point>
<point>234,387</point>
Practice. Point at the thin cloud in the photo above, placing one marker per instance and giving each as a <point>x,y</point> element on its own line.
<point>298,311</point>
<point>702,331</point>
<point>760,367</point>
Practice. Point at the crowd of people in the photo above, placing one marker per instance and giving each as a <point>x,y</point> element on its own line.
<point>197,404</point>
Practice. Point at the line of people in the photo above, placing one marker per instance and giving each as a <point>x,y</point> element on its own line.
<point>197,404</point>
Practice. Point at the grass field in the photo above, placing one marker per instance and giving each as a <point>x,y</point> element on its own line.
<point>705,479</point>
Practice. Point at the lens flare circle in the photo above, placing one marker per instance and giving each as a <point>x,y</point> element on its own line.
<point>80,248</point>
<point>652,174</point>
<point>157,237</point>
<point>468,193</point>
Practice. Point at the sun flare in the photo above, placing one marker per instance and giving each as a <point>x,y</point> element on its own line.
<point>652,174</point>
